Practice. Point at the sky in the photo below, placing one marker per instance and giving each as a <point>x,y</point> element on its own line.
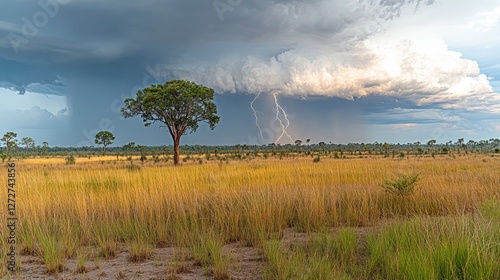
<point>335,71</point>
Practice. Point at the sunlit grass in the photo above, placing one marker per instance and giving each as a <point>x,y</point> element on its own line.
<point>100,202</point>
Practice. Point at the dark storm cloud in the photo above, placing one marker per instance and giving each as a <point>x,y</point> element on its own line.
<point>19,76</point>
<point>108,34</point>
<point>90,38</point>
<point>116,40</point>
<point>97,52</point>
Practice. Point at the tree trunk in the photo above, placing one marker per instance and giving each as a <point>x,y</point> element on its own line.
<point>177,142</point>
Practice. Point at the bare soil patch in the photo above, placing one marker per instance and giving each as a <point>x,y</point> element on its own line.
<point>165,263</point>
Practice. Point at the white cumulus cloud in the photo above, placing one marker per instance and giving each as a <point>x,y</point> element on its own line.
<point>425,72</point>
<point>485,21</point>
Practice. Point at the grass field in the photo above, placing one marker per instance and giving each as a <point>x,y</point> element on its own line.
<point>305,220</point>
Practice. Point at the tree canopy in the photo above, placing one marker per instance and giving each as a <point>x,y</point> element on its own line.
<point>28,143</point>
<point>104,138</point>
<point>9,139</point>
<point>180,105</point>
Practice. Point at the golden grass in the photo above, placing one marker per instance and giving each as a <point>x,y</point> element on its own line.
<point>62,160</point>
<point>102,202</point>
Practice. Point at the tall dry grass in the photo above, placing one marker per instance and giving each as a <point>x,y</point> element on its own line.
<point>61,208</point>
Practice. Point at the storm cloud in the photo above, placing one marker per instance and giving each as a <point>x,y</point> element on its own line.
<point>98,52</point>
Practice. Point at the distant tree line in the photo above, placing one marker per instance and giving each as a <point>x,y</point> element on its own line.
<point>27,147</point>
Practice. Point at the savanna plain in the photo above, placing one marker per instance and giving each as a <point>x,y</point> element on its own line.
<point>272,217</point>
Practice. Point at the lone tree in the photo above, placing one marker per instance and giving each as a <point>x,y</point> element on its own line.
<point>104,138</point>
<point>9,139</point>
<point>179,104</point>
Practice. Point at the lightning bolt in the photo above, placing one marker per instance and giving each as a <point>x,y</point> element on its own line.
<point>284,124</point>
<point>283,127</point>
<point>255,114</point>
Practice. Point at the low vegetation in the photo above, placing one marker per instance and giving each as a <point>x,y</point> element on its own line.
<point>443,223</point>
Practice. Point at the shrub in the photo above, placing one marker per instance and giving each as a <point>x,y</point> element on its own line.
<point>156,159</point>
<point>316,159</point>
<point>403,185</point>
<point>70,160</point>
<point>4,156</point>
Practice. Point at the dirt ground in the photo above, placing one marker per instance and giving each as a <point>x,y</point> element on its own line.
<point>166,263</point>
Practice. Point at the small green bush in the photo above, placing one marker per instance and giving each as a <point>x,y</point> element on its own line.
<point>70,160</point>
<point>403,185</point>
<point>4,156</point>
